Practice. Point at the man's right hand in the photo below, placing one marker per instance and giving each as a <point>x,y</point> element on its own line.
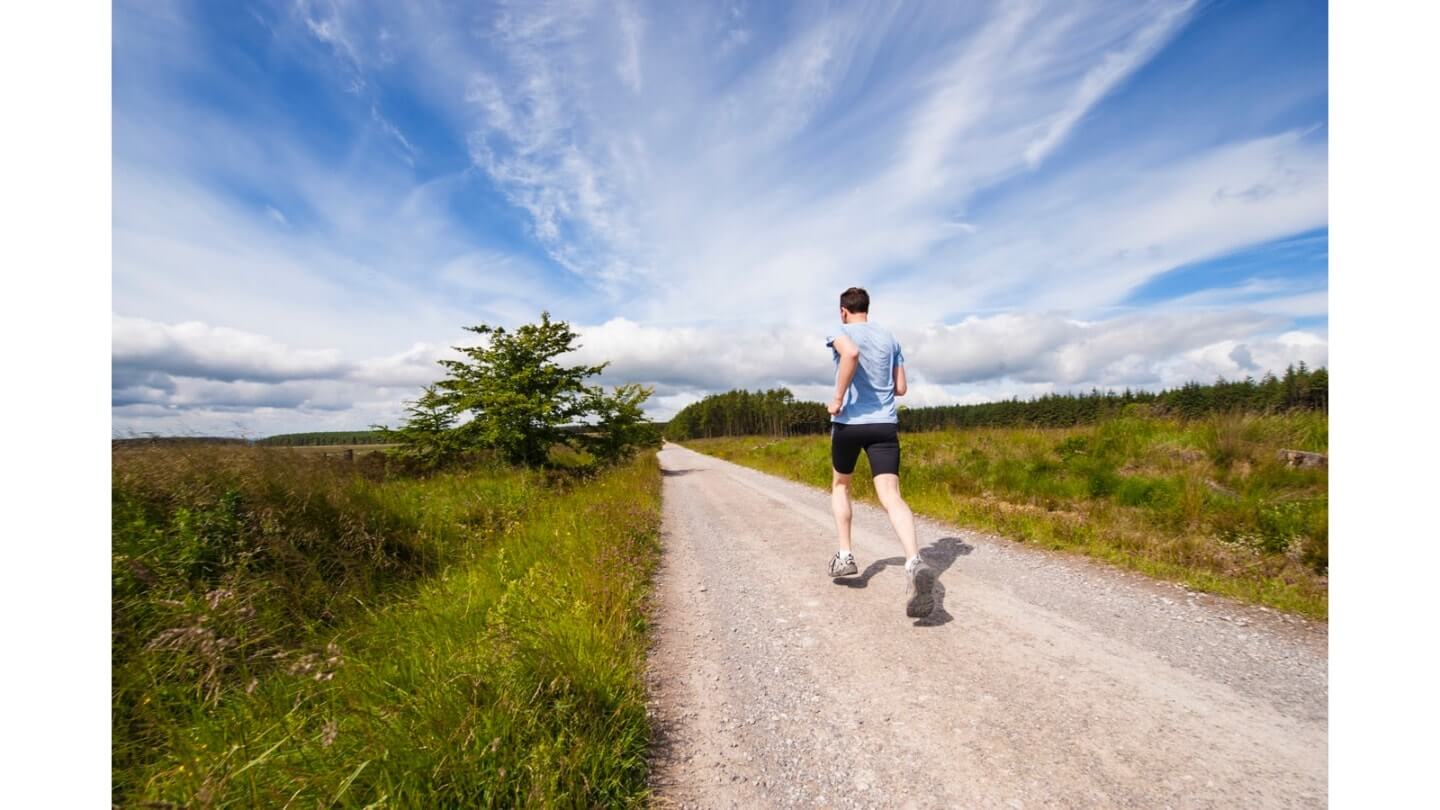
<point>835,406</point>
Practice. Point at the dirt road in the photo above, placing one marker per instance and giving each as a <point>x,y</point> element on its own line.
<point>1039,681</point>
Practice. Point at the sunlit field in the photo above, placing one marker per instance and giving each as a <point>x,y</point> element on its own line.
<point>1208,503</point>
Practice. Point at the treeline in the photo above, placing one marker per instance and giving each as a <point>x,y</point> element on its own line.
<point>326,438</point>
<point>1301,388</point>
<point>743,413</point>
<point>777,413</point>
<point>1051,410</point>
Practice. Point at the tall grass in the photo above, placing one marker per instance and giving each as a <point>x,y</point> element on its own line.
<point>289,632</point>
<point>1206,502</point>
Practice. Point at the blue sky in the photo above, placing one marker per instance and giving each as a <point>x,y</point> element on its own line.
<point>312,198</point>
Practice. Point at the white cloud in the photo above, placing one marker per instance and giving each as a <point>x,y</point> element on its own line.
<point>198,350</point>
<point>698,357</point>
<point>710,187</point>
<point>414,367</point>
<point>1272,296</point>
<point>250,421</point>
<point>809,169</point>
<point>182,252</point>
<point>330,27</point>
<point>193,367</point>
<point>407,149</point>
<point>1030,348</point>
<point>632,29</point>
<point>1114,67</point>
<point>735,39</point>
<point>1088,237</point>
<point>1234,359</point>
<point>180,377</point>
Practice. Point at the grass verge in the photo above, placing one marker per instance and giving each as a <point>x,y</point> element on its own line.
<point>1205,503</point>
<point>290,633</point>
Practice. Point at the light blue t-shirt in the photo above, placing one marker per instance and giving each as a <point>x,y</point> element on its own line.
<point>871,396</point>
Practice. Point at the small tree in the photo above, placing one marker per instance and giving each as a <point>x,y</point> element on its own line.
<point>620,423</point>
<point>428,433</point>
<point>520,400</point>
<point>518,396</point>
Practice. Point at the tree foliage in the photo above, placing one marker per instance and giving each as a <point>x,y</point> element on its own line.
<point>510,394</point>
<point>517,395</point>
<point>620,424</point>
<point>738,413</point>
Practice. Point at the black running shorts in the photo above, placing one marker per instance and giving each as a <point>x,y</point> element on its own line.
<point>881,443</point>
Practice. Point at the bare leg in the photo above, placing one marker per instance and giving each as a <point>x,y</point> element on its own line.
<point>840,505</point>
<point>887,488</point>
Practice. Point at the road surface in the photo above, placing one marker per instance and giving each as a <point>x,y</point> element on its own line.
<point>1041,680</point>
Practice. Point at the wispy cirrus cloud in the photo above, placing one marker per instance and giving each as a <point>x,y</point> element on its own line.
<point>372,178</point>
<point>1114,67</point>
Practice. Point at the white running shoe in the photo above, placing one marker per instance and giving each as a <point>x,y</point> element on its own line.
<point>919,589</point>
<point>843,565</point>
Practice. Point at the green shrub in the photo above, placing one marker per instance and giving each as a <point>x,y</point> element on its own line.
<point>1281,526</point>
<point>1146,492</point>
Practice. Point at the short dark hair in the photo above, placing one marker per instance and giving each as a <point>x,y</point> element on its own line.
<point>855,299</point>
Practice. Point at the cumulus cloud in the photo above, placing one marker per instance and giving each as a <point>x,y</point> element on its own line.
<point>1047,349</point>
<point>1038,347</point>
<point>247,421</point>
<point>1236,359</point>
<point>194,349</point>
<point>707,357</point>
<point>221,371</point>
<point>415,366</point>
<point>297,396</point>
<point>194,366</point>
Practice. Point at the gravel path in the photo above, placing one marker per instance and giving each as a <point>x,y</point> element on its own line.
<point>1041,680</point>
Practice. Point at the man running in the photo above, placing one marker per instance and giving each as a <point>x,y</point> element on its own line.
<point>869,374</point>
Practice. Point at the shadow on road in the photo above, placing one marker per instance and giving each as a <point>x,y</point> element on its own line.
<point>670,473</point>
<point>870,570</point>
<point>940,555</point>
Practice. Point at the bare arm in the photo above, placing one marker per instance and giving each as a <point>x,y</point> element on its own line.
<point>900,386</point>
<point>849,363</point>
